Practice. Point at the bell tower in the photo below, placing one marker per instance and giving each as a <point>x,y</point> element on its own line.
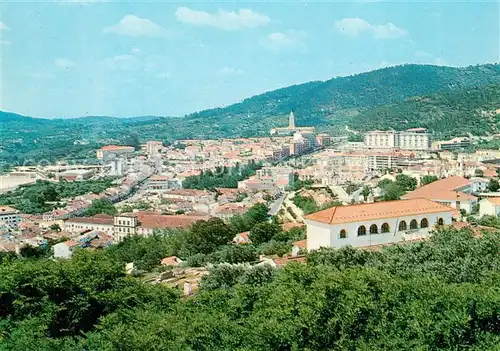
<point>291,121</point>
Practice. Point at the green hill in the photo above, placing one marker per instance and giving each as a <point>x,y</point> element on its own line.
<point>474,110</point>
<point>450,101</point>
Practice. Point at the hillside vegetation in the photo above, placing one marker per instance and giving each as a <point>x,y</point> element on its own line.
<point>395,97</point>
<point>443,294</point>
<point>473,110</point>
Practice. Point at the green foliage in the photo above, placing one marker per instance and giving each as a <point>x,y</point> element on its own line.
<point>355,137</point>
<point>427,179</point>
<point>306,203</point>
<point>55,227</point>
<point>206,236</point>
<point>298,184</point>
<point>489,221</point>
<point>456,113</point>
<point>442,294</point>
<point>222,177</point>
<point>101,206</point>
<point>391,190</point>
<point>263,232</point>
<point>493,185</point>
<point>478,172</point>
<point>405,182</point>
<point>43,195</point>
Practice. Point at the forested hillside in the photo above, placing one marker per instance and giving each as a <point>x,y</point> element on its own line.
<point>395,97</point>
<point>443,294</point>
<point>473,110</point>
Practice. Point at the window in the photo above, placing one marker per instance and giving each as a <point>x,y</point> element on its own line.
<point>343,234</point>
<point>373,229</point>
<point>413,224</point>
<point>440,221</point>
<point>424,223</point>
<point>361,230</point>
<point>385,228</point>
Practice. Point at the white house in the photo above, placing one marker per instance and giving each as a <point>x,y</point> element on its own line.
<point>65,249</point>
<point>490,207</point>
<point>376,223</point>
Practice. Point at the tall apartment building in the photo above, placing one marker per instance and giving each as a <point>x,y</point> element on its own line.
<point>411,139</point>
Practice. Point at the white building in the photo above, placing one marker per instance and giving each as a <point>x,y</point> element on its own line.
<point>163,182</point>
<point>489,207</point>
<point>109,151</point>
<point>10,216</point>
<point>411,139</point>
<point>376,223</point>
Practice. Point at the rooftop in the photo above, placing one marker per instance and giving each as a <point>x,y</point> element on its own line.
<point>377,210</point>
<point>102,219</point>
<point>7,210</point>
<point>115,147</point>
<point>443,189</point>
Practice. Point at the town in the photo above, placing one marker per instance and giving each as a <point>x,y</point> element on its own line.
<point>392,187</point>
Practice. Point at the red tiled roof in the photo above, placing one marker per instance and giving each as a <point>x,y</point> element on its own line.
<point>443,189</point>
<point>166,221</point>
<point>159,177</point>
<point>377,210</point>
<point>102,219</point>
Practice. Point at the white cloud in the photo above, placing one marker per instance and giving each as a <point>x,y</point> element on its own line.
<point>279,41</point>
<point>228,20</point>
<point>3,26</point>
<point>229,71</point>
<point>64,63</point>
<point>357,26</point>
<point>134,26</point>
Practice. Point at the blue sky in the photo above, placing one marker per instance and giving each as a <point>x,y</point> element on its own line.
<point>76,58</point>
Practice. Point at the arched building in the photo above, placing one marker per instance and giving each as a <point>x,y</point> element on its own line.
<point>375,223</point>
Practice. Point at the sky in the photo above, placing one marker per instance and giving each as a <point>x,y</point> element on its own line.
<point>71,58</point>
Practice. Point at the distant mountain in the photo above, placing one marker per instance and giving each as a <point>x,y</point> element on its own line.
<point>314,101</point>
<point>448,101</point>
<point>473,110</point>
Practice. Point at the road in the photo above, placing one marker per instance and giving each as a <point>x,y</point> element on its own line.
<point>275,207</point>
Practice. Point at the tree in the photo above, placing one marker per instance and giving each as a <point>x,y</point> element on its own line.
<point>493,185</point>
<point>256,214</point>
<point>263,232</point>
<point>206,236</point>
<point>55,227</point>
<point>101,206</point>
<point>392,192</point>
<point>427,179</point>
<point>405,182</point>
<point>478,172</point>
<point>366,192</point>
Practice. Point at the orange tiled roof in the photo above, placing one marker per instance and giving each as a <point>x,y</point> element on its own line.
<point>494,200</point>
<point>377,210</point>
<point>443,189</point>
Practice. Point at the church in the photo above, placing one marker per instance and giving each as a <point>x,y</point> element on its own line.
<point>291,129</point>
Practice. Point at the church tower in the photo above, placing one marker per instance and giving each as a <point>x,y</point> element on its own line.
<point>291,121</point>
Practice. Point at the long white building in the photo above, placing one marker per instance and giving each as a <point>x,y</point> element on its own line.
<point>376,223</point>
<point>411,139</point>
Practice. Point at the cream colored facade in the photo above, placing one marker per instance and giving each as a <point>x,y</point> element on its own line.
<point>489,207</point>
<point>404,140</point>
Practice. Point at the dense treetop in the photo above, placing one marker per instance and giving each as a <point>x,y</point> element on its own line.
<point>443,294</point>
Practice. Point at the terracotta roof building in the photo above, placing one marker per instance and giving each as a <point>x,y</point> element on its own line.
<point>453,191</point>
<point>375,223</point>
